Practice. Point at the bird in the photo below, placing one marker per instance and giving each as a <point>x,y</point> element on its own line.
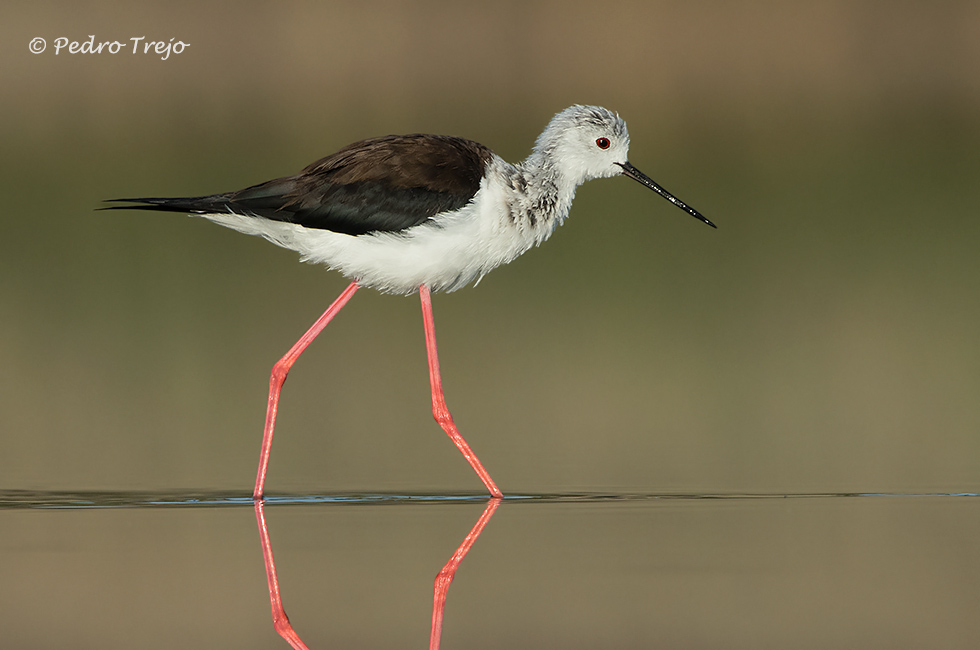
<point>419,213</point>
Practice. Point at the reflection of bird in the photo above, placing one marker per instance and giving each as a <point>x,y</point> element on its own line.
<point>420,213</point>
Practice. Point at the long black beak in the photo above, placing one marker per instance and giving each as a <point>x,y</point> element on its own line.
<point>639,176</point>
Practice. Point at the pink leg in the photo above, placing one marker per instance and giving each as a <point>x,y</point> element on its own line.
<point>445,577</point>
<point>279,618</point>
<point>279,372</point>
<point>439,409</point>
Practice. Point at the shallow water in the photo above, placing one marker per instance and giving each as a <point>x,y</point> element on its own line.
<point>153,570</point>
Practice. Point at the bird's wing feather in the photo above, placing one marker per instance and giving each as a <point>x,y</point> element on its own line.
<point>386,184</point>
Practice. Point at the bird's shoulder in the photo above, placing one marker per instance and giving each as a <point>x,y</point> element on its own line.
<point>439,163</point>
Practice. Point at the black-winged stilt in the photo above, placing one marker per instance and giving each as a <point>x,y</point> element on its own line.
<point>406,213</point>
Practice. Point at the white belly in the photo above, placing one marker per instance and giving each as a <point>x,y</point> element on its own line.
<point>445,253</point>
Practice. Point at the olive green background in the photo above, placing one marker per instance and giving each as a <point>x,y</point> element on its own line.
<point>823,339</point>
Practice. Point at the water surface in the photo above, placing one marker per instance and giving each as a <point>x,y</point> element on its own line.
<point>112,570</point>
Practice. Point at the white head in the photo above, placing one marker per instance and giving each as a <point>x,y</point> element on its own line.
<point>585,142</point>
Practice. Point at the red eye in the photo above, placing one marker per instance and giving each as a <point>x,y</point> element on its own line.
<point>602,143</point>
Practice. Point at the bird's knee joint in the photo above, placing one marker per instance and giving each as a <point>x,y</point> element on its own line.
<point>279,372</point>
<point>442,416</point>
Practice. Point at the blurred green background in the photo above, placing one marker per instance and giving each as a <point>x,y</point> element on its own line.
<point>823,339</point>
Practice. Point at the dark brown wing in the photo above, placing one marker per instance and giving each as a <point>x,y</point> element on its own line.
<point>385,184</point>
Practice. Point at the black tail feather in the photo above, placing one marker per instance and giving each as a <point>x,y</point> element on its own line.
<point>193,204</point>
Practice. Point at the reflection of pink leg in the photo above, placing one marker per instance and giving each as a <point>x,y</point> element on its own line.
<point>439,409</point>
<point>279,372</point>
<point>279,618</point>
<point>445,577</point>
